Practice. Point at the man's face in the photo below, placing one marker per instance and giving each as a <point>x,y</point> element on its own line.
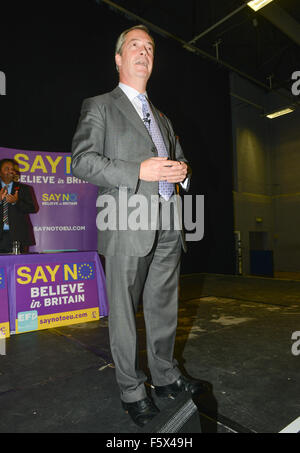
<point>7,172</point>
<point>137,57</point>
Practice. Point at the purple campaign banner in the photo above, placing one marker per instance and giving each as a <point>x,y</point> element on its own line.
<point>55,294</point>
<point>53,289</point>
<point>4,318</point>
<point>66,220</point>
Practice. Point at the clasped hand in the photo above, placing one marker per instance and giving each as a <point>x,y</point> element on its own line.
<point>162,169</point>
<point>9,198</point>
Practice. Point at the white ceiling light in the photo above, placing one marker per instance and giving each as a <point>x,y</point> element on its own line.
<point>281,112</point>
<point>258,4</point>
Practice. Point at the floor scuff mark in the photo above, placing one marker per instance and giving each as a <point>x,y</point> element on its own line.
<point>230,320</point>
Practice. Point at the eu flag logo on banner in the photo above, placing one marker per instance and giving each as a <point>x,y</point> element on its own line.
<point>79,271</point>
<point>2,278</point>
<point>86,271</point>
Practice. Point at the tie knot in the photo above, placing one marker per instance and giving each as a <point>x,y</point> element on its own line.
<point>143,98</point>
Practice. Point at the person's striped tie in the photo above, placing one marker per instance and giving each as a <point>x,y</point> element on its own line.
<point>5,208</point>
<point>165,188</point>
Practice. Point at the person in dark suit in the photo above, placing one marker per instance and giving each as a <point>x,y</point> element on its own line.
<point>128,148</point>
<point>16,202</point>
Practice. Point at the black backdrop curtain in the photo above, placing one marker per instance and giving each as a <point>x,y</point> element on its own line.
<point>53,58</point>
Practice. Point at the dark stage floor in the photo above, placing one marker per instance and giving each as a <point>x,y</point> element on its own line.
<point>234,332</point>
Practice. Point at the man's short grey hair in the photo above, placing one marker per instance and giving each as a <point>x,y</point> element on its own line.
<point>122,37</point>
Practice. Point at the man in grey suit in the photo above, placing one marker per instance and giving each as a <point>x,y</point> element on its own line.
<point>124,145</point>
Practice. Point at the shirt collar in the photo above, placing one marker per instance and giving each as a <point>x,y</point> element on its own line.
<point>8,185</point>
<point>130,92</point>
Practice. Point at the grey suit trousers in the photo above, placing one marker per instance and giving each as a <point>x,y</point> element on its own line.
<point>154,278</point>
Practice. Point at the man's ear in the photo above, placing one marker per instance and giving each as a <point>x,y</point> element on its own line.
<point>118,59</point>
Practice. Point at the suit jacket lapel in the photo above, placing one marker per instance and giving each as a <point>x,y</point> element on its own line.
<point>125,106</point>
<point>161,124</point>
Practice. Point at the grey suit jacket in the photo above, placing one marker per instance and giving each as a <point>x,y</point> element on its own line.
<point>108,147</point>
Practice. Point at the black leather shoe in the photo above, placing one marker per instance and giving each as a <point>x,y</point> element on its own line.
<point>182,384</point>
<point>141,411</point>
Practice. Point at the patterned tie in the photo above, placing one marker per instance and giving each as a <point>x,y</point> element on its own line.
<point>165,188</point>
<point>5,209</point>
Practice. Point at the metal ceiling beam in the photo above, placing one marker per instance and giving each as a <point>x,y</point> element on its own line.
<point>247,101</point>
<point>184,44</point>
<point>190,47</point>
<point>282,20</point>
<point>217,24</point>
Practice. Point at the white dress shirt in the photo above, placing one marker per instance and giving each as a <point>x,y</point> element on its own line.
<point>132,94</point>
